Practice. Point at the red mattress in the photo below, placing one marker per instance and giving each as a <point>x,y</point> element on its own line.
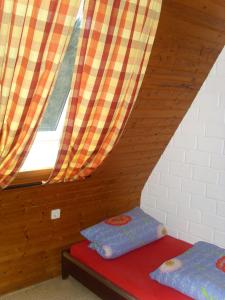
<point>131,271</point>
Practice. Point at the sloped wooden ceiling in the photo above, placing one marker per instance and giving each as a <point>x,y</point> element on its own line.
<point>190,36</point>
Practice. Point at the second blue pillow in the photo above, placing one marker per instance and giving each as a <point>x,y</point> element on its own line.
<point>198,273</point>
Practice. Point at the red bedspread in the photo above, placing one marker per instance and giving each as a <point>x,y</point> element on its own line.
<point>131,271</point>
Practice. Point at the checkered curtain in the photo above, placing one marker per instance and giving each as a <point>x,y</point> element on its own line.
<point>34,35</point>
<point>113,53</point>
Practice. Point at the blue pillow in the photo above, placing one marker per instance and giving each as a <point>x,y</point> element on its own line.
<point>198,273</point>
<point>121,234</point>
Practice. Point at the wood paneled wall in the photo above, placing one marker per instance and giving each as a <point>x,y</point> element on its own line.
<point>190,36</point>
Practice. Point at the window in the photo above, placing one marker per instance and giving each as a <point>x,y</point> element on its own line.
<point>43,152</point>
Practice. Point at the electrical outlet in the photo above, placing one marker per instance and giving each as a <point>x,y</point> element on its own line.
<point>55,213</point>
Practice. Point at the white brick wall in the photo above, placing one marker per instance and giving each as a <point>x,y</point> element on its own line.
<point>187,187</point>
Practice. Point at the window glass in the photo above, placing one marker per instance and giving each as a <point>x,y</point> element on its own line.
<point>61,90</point>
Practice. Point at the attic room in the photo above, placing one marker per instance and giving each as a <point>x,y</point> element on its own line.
<point>112,149</point>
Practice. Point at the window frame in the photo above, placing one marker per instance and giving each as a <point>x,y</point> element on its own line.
<point>30,178</point>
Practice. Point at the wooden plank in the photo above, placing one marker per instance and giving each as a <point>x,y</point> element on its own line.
<point>190,36</point>
<point>102,287</point>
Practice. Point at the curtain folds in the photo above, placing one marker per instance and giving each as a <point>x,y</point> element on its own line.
<point>34,36</point>
<point>113,53</point>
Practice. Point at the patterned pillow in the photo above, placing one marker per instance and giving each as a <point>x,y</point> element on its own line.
<point>198,273</point>
<point>121,234</point>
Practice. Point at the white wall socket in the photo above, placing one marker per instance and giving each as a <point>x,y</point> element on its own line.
<point>55,213</point>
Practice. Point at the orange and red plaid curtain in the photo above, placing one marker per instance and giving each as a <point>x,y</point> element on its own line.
<point>113,53</point>
<point>34,35</point>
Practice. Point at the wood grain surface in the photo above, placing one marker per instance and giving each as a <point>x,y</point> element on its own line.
<point>190,36</point>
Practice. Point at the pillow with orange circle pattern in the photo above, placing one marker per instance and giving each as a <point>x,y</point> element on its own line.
<point>121,234</point>
<point>198,273</point>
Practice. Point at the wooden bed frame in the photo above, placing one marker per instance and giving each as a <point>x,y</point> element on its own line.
<point>101,286</point>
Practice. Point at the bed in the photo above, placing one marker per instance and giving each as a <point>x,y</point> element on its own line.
<point>126,277</point>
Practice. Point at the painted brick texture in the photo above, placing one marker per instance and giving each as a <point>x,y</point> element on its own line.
<point>186,190</point>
